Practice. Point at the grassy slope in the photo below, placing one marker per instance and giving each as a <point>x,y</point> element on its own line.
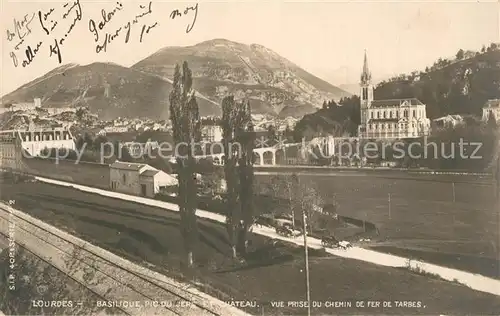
<point>37,280</point>
<point>274,273</point>
<point>423,222</point>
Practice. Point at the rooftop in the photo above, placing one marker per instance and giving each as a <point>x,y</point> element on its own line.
<point>494,103</point>
<point>149,173</point>
<point>395,102</point>
<point>126,165</point>
<point>393,120</point>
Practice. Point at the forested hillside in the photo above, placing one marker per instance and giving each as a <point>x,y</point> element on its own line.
<point>461,85</point>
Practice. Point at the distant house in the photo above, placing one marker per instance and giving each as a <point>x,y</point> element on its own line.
<point>138,179</point>
<point>447,121</point>
<point>116,129</point>
<point>211,133</point>
<point>140,149</point>
<point>492,107</point>
<point>25,106</point>
<point>56,111</point>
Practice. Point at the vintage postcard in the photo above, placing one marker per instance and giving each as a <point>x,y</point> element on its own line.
<point>249,157</point>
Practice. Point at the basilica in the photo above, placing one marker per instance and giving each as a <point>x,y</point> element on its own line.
<point>389,119</point>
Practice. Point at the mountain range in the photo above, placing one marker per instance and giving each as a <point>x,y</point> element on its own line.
<point>220,67</point>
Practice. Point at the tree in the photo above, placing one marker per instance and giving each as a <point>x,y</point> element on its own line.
<point>79,142</point>
<point>332,104</point>
<point>237,135</point>
<point>159,162</point>
<point>325,105</point>
<point>271,135</point>
<point>81,113</point>
<point>185,117</point>
<point>212,183</point>
<point>125,155</point>
<point>233,211</point>
<point>288,134</point>
<point>245,135</point>
<point>310,202</point>
<point>283,186</point>
<point>301,197</point>
<point>460,54</point>
<point>88,141</point>
<point>98,141</point>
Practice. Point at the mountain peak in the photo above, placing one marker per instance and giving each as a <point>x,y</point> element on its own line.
<point>218,41</point>
<point>220,67</point>
<point>223,67</point>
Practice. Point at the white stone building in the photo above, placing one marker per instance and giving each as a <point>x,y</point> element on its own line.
<point>35,140</point>
<point>389,119</point>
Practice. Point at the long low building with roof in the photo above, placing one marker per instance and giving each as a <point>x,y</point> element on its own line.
<point>138,179</point>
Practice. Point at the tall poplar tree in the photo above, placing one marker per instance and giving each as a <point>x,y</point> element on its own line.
<point>238,141</point>
<point>231,152</point>
<point>245,135</point>
<point>185,118</point>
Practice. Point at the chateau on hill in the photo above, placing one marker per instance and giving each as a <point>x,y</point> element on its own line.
<point>389,119</point>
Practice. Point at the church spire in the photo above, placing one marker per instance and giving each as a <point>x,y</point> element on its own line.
<point>366,76</point>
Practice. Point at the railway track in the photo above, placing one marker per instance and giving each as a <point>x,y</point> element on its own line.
<point>73,278</point>
<point>114,281</point>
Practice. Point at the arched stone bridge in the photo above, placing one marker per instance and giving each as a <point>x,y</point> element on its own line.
<point>268,156</point>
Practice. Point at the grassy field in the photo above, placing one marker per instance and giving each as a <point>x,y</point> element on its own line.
<point>423,220</point>
<point>151,236</point>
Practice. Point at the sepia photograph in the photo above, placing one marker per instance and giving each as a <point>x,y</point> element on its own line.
<point>278,157</point>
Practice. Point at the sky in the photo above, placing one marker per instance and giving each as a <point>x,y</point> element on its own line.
<point>327,38</point>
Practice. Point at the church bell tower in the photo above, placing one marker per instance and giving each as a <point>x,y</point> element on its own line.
<point>366,96</point>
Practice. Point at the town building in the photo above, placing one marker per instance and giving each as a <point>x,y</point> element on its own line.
<point>57,111</point>
<point>9,150</point>
<point>389,119</point>
<point>492,107</point>
<point>211,133</point>
<point>34,140</point>
<point>138,150</point>
<point>448,121</point>
<point>116,129</point>
<point>138,179</point>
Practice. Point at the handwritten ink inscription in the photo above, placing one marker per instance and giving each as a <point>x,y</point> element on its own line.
<point>73,11</point>
<point>177,13</point>
<point>21,30</point>
<point>109,37</point>
<point>106,17</point>
<point>66,18</point>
